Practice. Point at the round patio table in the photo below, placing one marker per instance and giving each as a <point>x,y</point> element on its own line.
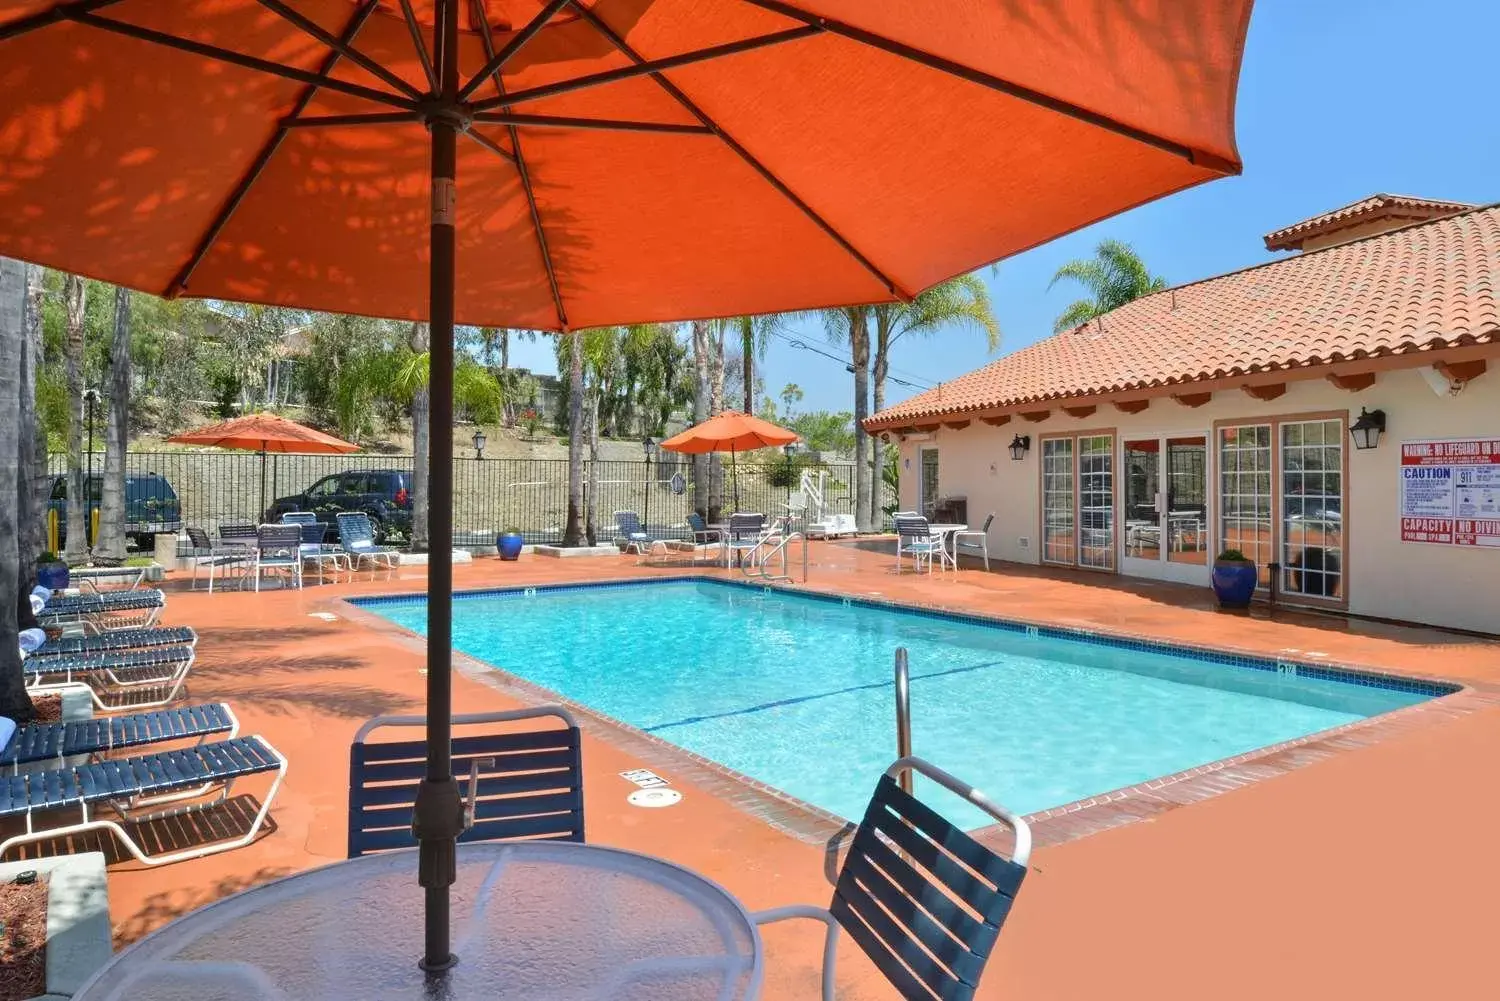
<point>533,920</point>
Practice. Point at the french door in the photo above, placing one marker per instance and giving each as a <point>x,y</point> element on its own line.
<point>1166,508</point>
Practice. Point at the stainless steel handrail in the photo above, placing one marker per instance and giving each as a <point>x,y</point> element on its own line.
<point>903,716</point>
<point>757,565</point>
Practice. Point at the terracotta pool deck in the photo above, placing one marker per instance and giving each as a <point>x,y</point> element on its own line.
<point>1357,865</point>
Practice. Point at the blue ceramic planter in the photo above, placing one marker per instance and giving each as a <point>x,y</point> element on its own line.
<point>509,546</point>
<point>52,575</point>
<point>1234,583</point>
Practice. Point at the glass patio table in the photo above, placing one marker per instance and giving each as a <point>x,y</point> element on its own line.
<point>534,920</point>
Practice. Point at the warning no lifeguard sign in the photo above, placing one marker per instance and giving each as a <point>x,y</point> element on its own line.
<point>1450,491</point>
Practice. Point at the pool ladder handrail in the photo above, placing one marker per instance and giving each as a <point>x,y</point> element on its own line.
<point>757,563</point>
<point>903,717</point>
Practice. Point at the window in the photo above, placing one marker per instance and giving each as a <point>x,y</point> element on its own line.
<point>1078,501</point>
<point>1057,500</point>
<point>1245,494</point>
<point>929,481</point>
<point>326,487</point>
<point>1281,489</point>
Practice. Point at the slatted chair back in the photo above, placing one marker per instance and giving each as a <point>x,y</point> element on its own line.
<point>519,785</point>
<point>699,527</point>
<point>743,527</point>
<point>629,524</point>
<point>312,533</point>
<point>238,535</point>
<point>923,899</point>
<point>198,539</point>
<point>299,518</point>
<point>355,531</point>
<point>913,529</point>
<point>279,541</point>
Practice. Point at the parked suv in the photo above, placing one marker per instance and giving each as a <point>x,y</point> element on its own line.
<point>383,494</point>
<point>150,506</point>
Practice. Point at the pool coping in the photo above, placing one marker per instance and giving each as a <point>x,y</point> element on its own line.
<point>1446,699</point>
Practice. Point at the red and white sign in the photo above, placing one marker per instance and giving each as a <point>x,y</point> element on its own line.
<point>1450,491</point>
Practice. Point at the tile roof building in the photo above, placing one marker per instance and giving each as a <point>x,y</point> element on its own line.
<point>1218,415</point>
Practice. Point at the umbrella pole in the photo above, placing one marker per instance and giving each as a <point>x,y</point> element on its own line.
<point>262,512</point>
<point>734,474</point>
<point>438,818</point>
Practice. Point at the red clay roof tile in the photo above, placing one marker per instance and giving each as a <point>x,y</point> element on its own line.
<point>1376,206</point>
<point>1428,286</point>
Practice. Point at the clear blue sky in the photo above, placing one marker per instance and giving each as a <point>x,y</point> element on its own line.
<point>1338,99</point>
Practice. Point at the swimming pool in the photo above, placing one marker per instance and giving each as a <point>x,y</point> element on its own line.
<point>796,691</point>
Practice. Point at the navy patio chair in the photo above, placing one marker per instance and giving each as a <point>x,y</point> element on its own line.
<point>525,784</point>
<point>102,734</point>
<point>915,538</point>
<point>149,676</point>
<point>702,534</point>
<point>120,639</point>
<point>104,612</point>
<point>921,898</point>
<point>122,786</point>
<point>746,533</point>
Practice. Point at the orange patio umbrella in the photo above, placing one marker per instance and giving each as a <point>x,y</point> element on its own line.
<point>265,433</point>
<point>730,431</point>
<point>560,164</point>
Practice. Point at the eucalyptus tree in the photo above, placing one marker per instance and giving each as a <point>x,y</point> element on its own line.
<point>109,547</point>
<point>14,701</point>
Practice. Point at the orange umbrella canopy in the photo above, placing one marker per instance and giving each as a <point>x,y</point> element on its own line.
<point>730,431</point>
<point>265,433</point>
<point>783,154</point>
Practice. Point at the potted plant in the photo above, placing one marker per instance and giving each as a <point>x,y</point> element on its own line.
<point>1234,579</point>
<point>509,544</point>
<point>51,572</point>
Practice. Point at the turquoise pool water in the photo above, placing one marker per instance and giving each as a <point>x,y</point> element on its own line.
<point>797,692</point>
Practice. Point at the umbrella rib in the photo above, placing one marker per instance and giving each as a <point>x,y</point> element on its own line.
<point>340,46</point>
<point>989,80</point>
<point>488,39</point>
<point>598,124</point>
<point>495,63</point>
<point>420,44</point>
<point>491,145</point>
<point>384,118</point>
<point>749,158</point>
<point>655,65</point>
<point>258,165</point>
<point>179,284</point>
<point>239,59</point>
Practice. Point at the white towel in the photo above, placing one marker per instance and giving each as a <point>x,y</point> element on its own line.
<point>32,639</point>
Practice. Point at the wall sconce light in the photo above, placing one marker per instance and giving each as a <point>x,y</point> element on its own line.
<point>1019,446</point>
<point>479,442</point>
<point>1366,430</point>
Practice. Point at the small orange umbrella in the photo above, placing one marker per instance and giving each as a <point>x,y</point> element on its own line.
<point>730,431</point>
<point>265,433</point>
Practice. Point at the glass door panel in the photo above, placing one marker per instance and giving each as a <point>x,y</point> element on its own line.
<point>1187,506</point>
<point>1142,483</point>
<point>1057,500</point>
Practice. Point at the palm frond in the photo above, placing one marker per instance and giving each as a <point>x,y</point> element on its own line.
<point>1078,312</point>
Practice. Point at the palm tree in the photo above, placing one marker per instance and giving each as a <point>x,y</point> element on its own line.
<point>109,547</point>
<point>14,702</point>
<point>755,334</point>
<point>75,301</point>
<point>33,437</point>
<point>791,394</point>
<point>474,389</point>
<point>962,302</point>
<point>1114,276</point>
<point>702,349</point>
<point>851,325</point>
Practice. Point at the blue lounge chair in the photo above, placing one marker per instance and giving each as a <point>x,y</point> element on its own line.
<point>151,676</point>
<point>123,785</point>
<point>313,550</point>
<point>120,639</point>
<point>357,537</point>
<point>108,611</point>
<point>920,897</point>
<point>521,784</point>
<point>632,535</point>
<point>702,534</point>
<point>103,734</point>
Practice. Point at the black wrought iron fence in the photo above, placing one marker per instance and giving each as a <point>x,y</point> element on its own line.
<point>489,495</point>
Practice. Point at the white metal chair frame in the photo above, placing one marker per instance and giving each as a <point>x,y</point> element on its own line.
<point>279,548</point>
<point>982,545</point>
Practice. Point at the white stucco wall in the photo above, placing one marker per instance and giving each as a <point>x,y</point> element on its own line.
<point>1450,586</point>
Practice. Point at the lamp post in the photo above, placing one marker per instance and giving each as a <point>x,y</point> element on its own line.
<point>479,440</point>
<point>649,447</point>
<point>787,451</point>
<point>90,397</point>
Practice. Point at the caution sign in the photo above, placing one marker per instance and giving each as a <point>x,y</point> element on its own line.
<point>1450,491</point>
